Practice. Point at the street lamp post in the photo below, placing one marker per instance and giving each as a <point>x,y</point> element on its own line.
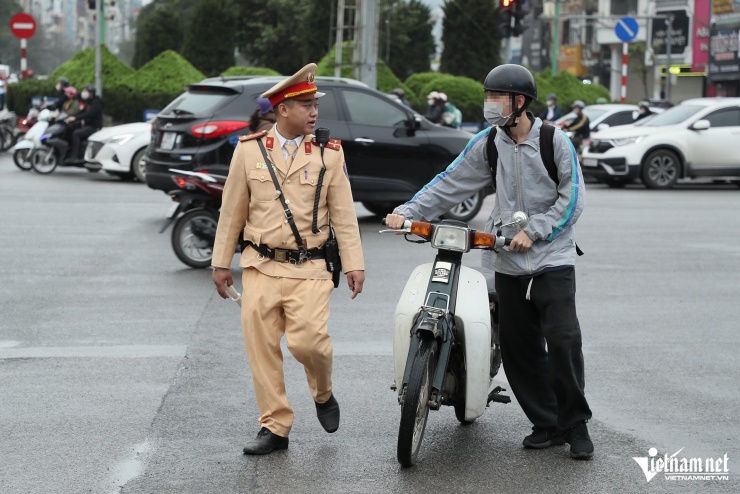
<point>669,28</point>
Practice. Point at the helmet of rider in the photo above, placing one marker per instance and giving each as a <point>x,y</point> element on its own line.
<point>443,97</point>
<point>71,92</point>
<point>399,92</point>
<point>88,91</point>
<point>578,104</point>
<point>62,84</point>
<point>644,104</point>
<point>513,79</point>
<point>552,96</point>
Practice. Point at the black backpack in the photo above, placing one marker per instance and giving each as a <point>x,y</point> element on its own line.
<point>547,152</point>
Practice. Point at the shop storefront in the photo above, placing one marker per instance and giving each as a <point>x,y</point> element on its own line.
<point>724,59</point>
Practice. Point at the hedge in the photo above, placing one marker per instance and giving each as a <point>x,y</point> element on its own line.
<point>166,73</point>
<point>80,69</point>
<point>238,70</point>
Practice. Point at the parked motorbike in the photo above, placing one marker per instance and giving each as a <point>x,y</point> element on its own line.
<point>445,342</point>
<point>31,140</point>
<point>195,215</point>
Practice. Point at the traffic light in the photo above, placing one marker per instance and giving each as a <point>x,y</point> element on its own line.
<point>504,18</point>
<point>520,10</point>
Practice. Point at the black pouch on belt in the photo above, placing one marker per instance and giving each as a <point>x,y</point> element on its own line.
<point>331,256</point>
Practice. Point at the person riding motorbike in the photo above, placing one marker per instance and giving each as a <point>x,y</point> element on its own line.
<point>91,119</point>
<point>580,126</point>
<point>535,278</point>
<point>643,110</point>
<point>61,85</point>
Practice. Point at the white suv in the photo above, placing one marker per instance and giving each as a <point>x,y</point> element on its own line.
<point>694,139</point>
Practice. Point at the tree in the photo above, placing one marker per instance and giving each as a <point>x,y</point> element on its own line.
<point>471,44</point>
<point>210,38</point>
<point>406,40</point>
<point>158,28</point>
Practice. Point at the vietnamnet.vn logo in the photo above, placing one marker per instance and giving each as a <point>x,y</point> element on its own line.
<point>675,468</point>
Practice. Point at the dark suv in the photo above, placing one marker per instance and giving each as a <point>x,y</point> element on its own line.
<point>391,151</point>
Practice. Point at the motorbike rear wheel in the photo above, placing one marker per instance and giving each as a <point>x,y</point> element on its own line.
<point>20,158</point>
<point>44,160</point>
<point>192,237</point>
<point>415,408</point>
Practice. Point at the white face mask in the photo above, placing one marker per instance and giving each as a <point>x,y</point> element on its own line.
<point>59,87</point>
<point>85,95</point>
<point>550,102</point>
<point>492,113</point>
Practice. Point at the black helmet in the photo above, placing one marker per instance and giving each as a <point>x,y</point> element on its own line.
<point>64,81</point>
<point>644,104</point>
<point>511,78</point>
<point>90,87</point>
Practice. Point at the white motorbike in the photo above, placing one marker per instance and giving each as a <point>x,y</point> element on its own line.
<point>31,141</point>
<point>445,341</point>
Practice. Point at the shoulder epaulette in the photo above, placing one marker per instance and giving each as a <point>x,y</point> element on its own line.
<point>334,144</point>
<point>249,137</point>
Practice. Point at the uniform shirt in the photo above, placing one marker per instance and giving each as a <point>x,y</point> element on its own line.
<point>251,208</point>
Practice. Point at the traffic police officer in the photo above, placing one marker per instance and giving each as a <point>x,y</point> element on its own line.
<point>284,293</point>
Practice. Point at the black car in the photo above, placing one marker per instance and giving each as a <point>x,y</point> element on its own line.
<point>391,151</point>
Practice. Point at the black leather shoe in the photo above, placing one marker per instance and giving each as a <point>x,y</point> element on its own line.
<point>328,414</point>
<point>265,442</point>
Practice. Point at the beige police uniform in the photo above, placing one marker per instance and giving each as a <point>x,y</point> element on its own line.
<point>285,298</point>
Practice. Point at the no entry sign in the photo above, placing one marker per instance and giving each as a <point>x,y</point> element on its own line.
<point>22,25</point>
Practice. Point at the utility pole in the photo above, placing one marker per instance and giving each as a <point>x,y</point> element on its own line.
<point>98,62</point>
<point>554,52</point>
<point>668,42</point>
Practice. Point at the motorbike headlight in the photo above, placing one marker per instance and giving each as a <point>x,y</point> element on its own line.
<point>119,139</point>
<point>450,237</point>
<point>626,140</point>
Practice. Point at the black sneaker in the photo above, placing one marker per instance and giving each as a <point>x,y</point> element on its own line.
<point>543,438</point>
<point>581,447</point>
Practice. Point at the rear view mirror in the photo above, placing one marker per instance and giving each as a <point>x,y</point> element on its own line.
<point>700,125</point>
<point>602,126</point>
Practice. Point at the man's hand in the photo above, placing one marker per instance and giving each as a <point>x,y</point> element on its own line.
<point>521,242</point>
<point>355,280</point>
<point>394,221</point>
<point>69,119</point>
<point>222,278</point>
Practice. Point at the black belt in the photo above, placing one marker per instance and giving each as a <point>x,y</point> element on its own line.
<point>285,255</point>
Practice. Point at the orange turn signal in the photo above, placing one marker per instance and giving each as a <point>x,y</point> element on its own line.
<point>481,239</point>
<point>421,229</point>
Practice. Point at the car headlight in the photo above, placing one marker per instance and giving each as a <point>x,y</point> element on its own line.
<point>626,140</point>
<point>119,139</point>
<point>449,237</point>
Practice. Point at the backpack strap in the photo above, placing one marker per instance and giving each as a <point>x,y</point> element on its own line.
<point>492,154</point>
<point>547,151</point>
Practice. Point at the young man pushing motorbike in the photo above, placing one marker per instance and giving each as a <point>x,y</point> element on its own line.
<point>535,278</point>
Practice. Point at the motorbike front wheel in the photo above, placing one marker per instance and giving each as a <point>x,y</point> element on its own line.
<point>192,237</point>
<point>20,158</point>
<point>415,408</point>
<point>44,160</point>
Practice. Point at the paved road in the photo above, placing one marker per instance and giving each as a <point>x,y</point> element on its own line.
<point>122,371</point>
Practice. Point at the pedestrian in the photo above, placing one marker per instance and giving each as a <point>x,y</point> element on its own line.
<point>90,120</point>
<point>3,84</point>
<point>552,112</point>
<point>263,118</point>
<point>580,126</point>
<point>285,279</point>
<point>401,95</point>
<point>436,107</point>
<point>535,277</point>
<point>643,110</point>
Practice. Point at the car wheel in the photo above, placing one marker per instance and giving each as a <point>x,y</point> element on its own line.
<point>380,208</point>
<point>660,169</point>
<point>138,165</point>
<point>466,210</point>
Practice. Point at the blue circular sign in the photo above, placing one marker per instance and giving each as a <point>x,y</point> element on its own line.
<point>626,29</point>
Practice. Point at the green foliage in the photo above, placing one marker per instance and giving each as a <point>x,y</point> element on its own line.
<point>126,106</point>
<point>167,73</point>
<point>80,69</point>
<point>568,88</point>
<point>20,93</point>
<point>417,81</point>
<point>406,42</point>
<point>158,28</point>
<point>465,93</point>
<point>210,45</point>
<point>469,35</point>
<point>234,71</point>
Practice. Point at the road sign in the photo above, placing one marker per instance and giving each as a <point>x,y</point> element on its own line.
<point>626,29</point>
<point>22,25</point>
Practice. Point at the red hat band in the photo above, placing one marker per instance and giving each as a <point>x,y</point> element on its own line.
<point>299,89</point>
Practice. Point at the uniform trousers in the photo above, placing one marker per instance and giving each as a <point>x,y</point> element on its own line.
<point>541,347</point>
<point>299,309</point>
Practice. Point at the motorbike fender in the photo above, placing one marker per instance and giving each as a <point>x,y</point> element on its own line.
<point>412,298</point>
<point>24,144</point>
<point>473,321</point>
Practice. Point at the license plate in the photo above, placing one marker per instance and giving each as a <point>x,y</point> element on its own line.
<point>172,210</point>
<point>590,162</point>
<point>168,140</point>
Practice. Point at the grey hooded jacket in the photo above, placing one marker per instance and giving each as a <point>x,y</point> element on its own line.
<point>523,185</point>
